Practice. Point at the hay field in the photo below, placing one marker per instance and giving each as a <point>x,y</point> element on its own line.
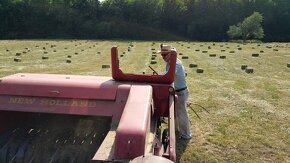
<point>249,118</point>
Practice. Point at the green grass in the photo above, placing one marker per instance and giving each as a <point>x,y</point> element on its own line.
<point>249,118</point>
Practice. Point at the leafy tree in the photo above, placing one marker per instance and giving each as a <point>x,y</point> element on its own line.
<point>171,15</point>
<point>250,28</point>
<point>203,20</point>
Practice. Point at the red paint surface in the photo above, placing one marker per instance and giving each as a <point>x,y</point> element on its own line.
<point>134,124</point>
<point>118,74</point>
<point>62,86</point>
<point>127,99</point>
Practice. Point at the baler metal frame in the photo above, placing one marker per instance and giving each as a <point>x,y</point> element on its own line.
<point>135,127</point>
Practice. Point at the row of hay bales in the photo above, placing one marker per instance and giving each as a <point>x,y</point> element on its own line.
<point>131,45</point>
<point>45,53</point>
<point>154,55</point>
<point>153,61</point>
<point>247,69</point>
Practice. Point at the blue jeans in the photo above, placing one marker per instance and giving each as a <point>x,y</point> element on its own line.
<point>182,118</point>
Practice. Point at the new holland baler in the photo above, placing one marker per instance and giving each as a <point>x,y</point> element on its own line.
<point>74,118</point>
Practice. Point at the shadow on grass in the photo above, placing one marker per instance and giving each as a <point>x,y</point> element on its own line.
<point>181,145</point>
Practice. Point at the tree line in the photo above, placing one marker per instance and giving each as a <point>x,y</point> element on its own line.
<point>200,20</point>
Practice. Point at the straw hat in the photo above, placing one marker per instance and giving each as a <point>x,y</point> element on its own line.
<point>166,49</point>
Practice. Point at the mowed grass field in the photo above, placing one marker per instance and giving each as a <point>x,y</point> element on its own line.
<point>249,113</point>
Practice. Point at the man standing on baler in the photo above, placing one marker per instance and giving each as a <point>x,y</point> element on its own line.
<point>182,117</point>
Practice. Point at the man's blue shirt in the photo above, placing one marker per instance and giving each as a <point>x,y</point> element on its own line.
<point>179,77</point>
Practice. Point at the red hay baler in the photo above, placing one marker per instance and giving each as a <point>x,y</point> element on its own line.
<point>74,118</point>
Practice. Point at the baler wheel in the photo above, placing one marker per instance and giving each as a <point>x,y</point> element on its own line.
<point>165,139</point>
<point>150,159</point>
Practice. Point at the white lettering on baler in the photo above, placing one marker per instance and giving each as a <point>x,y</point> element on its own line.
<point>52,102</point>
<point>21,100</point>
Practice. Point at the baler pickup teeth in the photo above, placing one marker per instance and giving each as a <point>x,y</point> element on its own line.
<point>54,138</point>
<point>5,137</point>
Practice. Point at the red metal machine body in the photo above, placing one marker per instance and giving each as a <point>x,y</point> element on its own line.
<point>134,102</point>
